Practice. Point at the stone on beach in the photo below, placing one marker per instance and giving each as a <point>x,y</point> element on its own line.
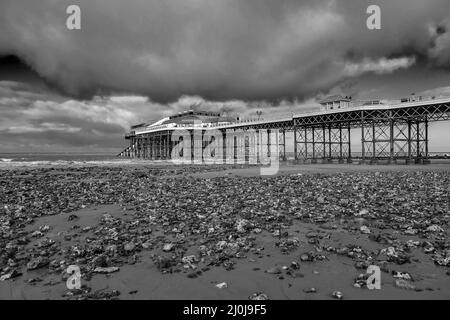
<point>106,270</point>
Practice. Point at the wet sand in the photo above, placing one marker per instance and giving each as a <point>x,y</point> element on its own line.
<point>261,248</point>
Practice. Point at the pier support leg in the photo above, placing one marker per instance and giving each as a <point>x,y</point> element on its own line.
<point>283,135</point>
<point>252,147</point>
<point>235,147</point>
<point>144,147</point>
<point>324,145</point>
<point>330,142</point>
<point>341,143</point>
<point>137,148</point>
<point>160,145</point>
<point>224,146</point>
<point>426,159</point>
<point>409,159</point>
<point>258,146</point>
<point>391,139</point>
<point>230,146</point>
<point>313,139</point>
<point>155,148</point>
<point>150,147</point>
<point>169,146</point>
<point>363,140</point>
<point>295,143</point>
<point>305,158</point>
<point>374,159</point>
<point>349,157</point>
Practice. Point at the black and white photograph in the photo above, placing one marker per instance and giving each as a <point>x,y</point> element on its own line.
<point>205,151</point>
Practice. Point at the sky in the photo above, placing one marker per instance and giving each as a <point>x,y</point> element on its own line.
<point>140,60</point>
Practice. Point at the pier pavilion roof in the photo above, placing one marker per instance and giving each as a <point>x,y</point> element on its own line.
<point>191,116</point>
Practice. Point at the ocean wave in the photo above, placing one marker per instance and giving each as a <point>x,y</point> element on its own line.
<point>6,160</point>
<point>62,163</point>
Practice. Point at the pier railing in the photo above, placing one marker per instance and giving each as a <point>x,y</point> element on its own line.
<point>356,105</point>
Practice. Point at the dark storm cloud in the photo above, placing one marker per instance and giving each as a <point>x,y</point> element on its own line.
<point>220,50</point>
<point>440,49</point>
<point>37,120</point>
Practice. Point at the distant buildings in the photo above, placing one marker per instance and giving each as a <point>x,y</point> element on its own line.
<point>336,102</point>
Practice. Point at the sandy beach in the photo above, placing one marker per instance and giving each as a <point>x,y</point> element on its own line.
<point>141,230</point>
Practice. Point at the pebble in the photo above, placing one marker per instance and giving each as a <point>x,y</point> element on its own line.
<point>13,274</point>
<point>404,284</point>
<point>38,263</point>
<point>362,213</point>
<point>337,295</point>
<point>129,246</point>
<point>274,270</point>
<point>168,247</point>
<point>73,217</point>
<point>401,275</point>
<point>364,229</point>
<point>106,270</point>
<point>434,228</point>
<point>258,296</point>
<point>222,285</point>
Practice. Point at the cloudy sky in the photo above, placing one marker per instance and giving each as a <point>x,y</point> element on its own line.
<point>139,60</point>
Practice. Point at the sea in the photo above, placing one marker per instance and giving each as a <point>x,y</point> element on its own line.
<point>61,158</point>
<point>53,157</point>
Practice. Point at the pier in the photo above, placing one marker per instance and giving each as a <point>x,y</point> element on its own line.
<point>387,133</point>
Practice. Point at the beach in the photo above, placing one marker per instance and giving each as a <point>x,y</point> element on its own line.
<point>154,230</point>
